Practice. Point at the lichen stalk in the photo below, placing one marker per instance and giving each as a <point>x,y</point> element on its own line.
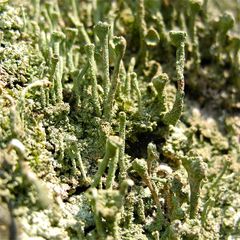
<point>102,31</point>
<point>57,38</point>
<point>142,30</point>
<point>140,166</point>
<point>136,88</point>
<point>89,49</point>
<point>196,170</point>
<point>112,145</point>
<point>21,104</point>
<point>159,82</point>
<point>178,39</point>
<point>120,46</point>
<point>195,7</point>
<point>122,134</point>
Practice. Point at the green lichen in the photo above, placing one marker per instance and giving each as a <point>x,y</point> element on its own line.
<point>119,120</point>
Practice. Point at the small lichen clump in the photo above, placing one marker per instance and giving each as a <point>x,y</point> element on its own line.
<point>119,120</point>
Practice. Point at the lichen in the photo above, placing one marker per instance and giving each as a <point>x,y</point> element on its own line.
<point>119,119</point>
